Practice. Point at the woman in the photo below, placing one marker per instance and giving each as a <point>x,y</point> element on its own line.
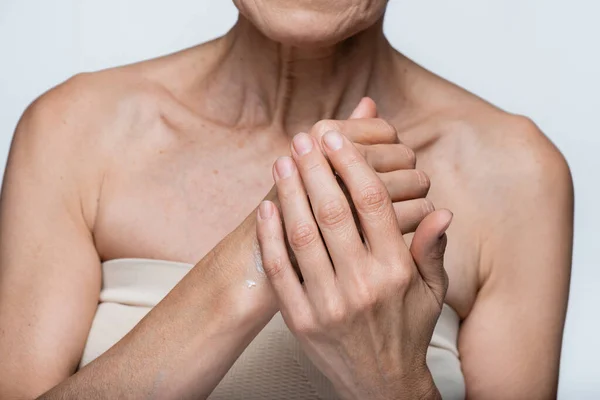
<point>112,172</point>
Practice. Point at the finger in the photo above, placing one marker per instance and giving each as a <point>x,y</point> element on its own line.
<point>276,262</point>
<point>428,247</point>
<point>366,108</point>
<point>410,213</point>
<point>405,184</point>
<point>301,228</point>
<point>388,157</point>
<point>329,204</point>
<point>364,130</point>
<point>369,195</point>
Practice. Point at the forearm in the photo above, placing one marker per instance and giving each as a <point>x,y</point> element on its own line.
<point>188,342</point>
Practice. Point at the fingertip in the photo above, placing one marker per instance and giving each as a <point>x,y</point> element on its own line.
<point>283,168</point>
<point>355,114</point>
<point>366,108</point>
<point>445,220</point>
<point>370,103</point>
<point>432,230</point>
<point>268,222</point>
<point>372,107</point>
<point>266,210</point>
<point>332,141</point>
<point>428,248</point>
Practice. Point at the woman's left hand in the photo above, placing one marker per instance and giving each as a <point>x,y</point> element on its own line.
<point>366,311</point>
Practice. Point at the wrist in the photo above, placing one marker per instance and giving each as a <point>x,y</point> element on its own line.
<point>418,386</point>
<point>430,391</point>
<point>244,288</point>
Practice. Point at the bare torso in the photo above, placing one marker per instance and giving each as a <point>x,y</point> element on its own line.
<point>173,183</point>
<point>158,177</point>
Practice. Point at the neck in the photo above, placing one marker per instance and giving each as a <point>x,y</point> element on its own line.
<point>257,82</point>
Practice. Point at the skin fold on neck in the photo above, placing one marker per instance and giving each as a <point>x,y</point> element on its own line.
<point>258,83</point>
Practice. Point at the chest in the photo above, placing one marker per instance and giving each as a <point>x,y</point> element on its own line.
<point>176,201</point>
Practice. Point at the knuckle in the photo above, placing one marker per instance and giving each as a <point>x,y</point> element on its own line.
<point>437,254</point>
<point>333,213</point>
<point>303,325</point>
<point>365,297</point>
<point>367,154</point>
<point>411,157</point>
<point>352,159</point>
<point>303,235</point>
<point>423,179</point>
<point>311,167</point>
<point>323,126</point>
<point>387,130</point>
<point>403,276</point>
<point>274,267</point>
<point>287,193</point>
<point>372,198</point>
<point>445,283</point>
<point>427,206</point>
<point>334,314</point>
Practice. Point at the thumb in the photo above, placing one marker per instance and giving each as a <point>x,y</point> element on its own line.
<point>428,247</point>
<point>366,108</point>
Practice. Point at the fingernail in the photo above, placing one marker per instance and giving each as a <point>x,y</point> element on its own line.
<point>302,143</point>
<point>265,210</point>
<point>284,166</point>
<point>333,140</point>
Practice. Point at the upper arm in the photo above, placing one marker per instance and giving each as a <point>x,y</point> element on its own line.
<point>510,342</point>
<point>49,269</point>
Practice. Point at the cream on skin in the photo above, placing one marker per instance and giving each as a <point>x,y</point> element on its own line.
<point>258,258</point>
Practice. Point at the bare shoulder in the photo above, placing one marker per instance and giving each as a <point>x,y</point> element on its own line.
<point>494,154</point>
<point>70,133</point>
<point>110,105</point>
<point>508,186</point>
<point>515,186</point>
<point>92,114</point>
<point>500,159</point>
<point>514,165</point>
<point>89,105</point>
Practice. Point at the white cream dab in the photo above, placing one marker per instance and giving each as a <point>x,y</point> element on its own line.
<point>258,258</point>
<point>250,283</point>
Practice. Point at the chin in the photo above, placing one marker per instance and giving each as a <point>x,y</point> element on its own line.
<point>307,23</point>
